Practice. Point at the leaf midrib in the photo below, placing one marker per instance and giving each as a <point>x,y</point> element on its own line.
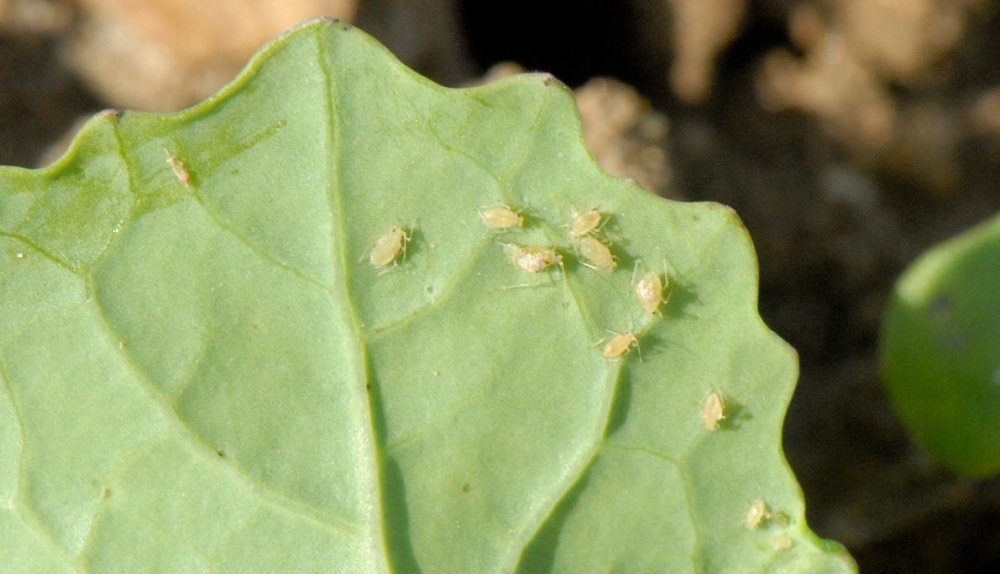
<point>340,248</point>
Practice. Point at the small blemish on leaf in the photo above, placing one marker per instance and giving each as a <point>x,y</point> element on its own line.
<point>941,308</point>
<point>220,453</point>
<point>466,487</point>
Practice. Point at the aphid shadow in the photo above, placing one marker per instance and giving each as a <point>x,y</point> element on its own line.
<point>395,496</point>
<point>398,535</point>
<point>540,554</point>
<point>651,343</point>
<point>736,415</point>
<point>678,298</point>
<point>649,346</point>
<point>609,230</point>
<point>530,218</point>
<point>414,246</point>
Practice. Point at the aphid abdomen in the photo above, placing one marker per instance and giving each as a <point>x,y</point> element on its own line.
<point>388,247</point>
<point>596,254</point>
<point>501,218</point>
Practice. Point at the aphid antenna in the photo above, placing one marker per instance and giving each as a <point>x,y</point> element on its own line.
<point>542,283</point>
<point>638,263</point>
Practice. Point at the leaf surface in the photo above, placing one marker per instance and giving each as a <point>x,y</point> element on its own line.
<point>202,371</point>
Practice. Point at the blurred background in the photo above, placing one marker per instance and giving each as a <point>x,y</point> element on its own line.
<point>849,135</point>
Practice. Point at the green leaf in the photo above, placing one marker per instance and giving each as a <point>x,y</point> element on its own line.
<point>203,371</point>
<point>941,350</point>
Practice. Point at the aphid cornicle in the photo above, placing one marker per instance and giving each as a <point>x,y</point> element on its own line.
<point>388,247</point>
<point>584,223</point>
<point>619,345</point>
<point>649,293</point>
<point>713,411</point>
<point>596,254</point>
<point>532,259</point>
<point>501,217</point>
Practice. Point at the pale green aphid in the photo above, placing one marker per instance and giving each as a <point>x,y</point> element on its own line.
<point>584,223</point>
<point>596,254</point>
<point>501,217</point>
<point>713,411</point>
<point>649,293</point>
<point>782,542</point>
<point>757,515</point>
<point>388,247</point>
<point>619,345</point>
